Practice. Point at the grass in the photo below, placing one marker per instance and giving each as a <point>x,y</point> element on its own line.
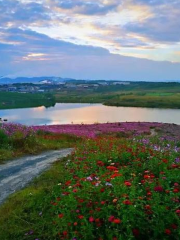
<point>22,210</point>
<point>150,100</point>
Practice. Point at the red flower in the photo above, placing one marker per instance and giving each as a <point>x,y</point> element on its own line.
<point>128,184</point>
<point>174,166</point>
<point>158,189</point>
<point>147,207</point>
<point>135,232</point>
<point>100,163</point>
<point>117,221</point>
<point>174,226</point>
<point>112,168</point>
<point>127,202</point>
<point>97,220</point>
<point>167,231</point>
<point>111,218</point>
<point>176,190</point>
<point>65,233</point>
<point>146,176</point>
<point>80,216</point>
<point>60,215</point>
<point>68,183</point>
<point>178,212</point>
<point>102,190</point>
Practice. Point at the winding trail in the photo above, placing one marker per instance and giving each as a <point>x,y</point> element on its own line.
<point>16,174</point>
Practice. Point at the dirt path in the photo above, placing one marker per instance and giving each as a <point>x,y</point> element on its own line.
<point>15,174</point>
<point>153,132</point>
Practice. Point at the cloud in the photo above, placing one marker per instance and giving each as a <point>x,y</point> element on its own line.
<point>163,26</point>
<point>79,36</point>
<point>87,7</point>
<point>32,54</point>
<point>15,13</point>
<point>28,42</point>
<point>155,2</point>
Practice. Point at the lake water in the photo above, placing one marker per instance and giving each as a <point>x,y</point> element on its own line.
<point>88,113</point>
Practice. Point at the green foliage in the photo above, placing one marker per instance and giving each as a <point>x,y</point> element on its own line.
<point>4,139</point>
<point>25,100</point>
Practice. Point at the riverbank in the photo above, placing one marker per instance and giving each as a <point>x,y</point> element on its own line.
<point>136,98</point>
<point>13,100</point>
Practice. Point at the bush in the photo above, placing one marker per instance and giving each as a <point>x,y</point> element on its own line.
<point>19,141</point>
<point>4,140</point>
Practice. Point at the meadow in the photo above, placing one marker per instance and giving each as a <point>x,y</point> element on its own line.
<point>122,182</point>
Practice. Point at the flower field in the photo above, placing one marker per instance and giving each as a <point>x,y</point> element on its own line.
<point>170,131</point>
<point>11,129</point>
<point>113,187</point>
<point>116,189</point>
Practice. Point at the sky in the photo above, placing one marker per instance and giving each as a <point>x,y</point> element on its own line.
<point>91,39</point>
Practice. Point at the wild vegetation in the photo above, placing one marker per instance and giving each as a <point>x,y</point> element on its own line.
<point>17,140</point>
<point>114,186</point>
<point>10,100</point>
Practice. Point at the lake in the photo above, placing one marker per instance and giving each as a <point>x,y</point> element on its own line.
<point>65,113</point>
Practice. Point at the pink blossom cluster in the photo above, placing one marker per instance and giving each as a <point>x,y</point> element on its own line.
<point>11,128</point>
<point>92,130</point>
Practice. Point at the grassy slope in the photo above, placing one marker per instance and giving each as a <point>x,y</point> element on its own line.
<point>20,212</point>
<point>42,143</point>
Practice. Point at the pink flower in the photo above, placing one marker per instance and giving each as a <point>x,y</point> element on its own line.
<point>111,218</point>
<point>91,219</point>
<point>178,212</point>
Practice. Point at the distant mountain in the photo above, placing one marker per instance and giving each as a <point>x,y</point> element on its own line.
<point>6,80</point>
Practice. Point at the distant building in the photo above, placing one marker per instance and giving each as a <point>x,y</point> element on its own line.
<point>12,89</point>
<point>120,83</point>
<point>103,83</point>
<point>70,85</point>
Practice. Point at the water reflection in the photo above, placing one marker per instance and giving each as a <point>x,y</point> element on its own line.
<point>88,113</point>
